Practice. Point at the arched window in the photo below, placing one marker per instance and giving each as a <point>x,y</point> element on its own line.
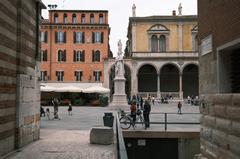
<point>101,21</point>
<point>96,56</point>
<point>61,55</point>
<point>65,18</point>
<point>55,18</point>
<point>74,18</point>
<point>162,43</point>
<point>154,44</point>
<point>83,19</point>
<point>92,19</point>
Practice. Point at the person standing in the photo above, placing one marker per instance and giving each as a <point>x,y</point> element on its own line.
<point>133,109</point>
<point>48,113</point>
<point>70,109</point>
<point>141,103</point>
<point>179,108</point>
<point>55,109</point>
<point>146,113</point>
<point>153,100</point>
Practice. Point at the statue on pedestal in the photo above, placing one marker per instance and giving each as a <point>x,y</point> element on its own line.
<point>180,9</point>
<point>134,10</point>
<point>119,96</point>
<point>119,65</point>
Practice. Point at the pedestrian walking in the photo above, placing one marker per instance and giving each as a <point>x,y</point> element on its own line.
<point>179,107</point>
<point>70,109</point>
<point>48,113</point>
<point>42,112</point>
<point>146,113</point>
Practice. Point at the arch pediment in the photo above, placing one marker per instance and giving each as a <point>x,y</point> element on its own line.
<point>158,27</point>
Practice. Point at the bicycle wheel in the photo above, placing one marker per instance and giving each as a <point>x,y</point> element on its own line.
<point>125,122</point>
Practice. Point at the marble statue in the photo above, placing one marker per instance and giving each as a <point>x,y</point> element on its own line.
<point>180,9</point>
<point>119,65</point>
<point>134,10</point>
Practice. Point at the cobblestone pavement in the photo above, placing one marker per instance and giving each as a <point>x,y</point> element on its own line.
<point>68,138</point>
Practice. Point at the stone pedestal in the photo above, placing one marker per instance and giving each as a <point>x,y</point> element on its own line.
<point>119,96</point>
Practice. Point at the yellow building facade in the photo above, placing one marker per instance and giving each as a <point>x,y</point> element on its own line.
<point>161,57</point>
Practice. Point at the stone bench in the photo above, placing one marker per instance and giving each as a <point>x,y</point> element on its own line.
<point>101,135</point>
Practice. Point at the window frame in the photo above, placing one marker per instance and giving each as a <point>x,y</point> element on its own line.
<point>60,75</point>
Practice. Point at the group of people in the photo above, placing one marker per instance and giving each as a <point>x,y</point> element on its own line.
<point>55,103</point>
<point>138,105</point>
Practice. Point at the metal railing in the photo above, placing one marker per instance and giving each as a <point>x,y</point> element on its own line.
<point>165,122</point>
<point>121,149</point>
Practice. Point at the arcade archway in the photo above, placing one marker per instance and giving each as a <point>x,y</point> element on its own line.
<point>190,80</point>
<point>147,79</point>
<point>169,80</point>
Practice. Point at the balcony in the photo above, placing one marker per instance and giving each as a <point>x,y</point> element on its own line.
<point>169,54</point>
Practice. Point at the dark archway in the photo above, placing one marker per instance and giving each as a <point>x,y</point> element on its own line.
<point>127,76</point>
<point>190,80</point>
<point>169,78</point>
<point>147,79</point>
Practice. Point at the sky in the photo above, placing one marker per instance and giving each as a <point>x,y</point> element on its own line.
<point>119,12</point>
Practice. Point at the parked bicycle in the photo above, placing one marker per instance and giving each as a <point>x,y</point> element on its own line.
<point>126,121</point>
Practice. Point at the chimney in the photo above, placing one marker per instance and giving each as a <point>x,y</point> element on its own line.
<point>174,12</point>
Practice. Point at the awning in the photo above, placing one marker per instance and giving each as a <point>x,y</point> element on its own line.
<point>96,89</point>
<point>74,87</point>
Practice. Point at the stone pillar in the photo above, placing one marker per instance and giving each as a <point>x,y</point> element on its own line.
<point>119,96</point>
<point>180,36</point>
<point>158,86</point>
<point>180,87</point>
<point>134,37</point>
<point>134,89</point>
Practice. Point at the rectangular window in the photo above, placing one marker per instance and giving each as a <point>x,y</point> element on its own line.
<point>97,37</point>
<point>59,75</point>
<point>97,75</point>
<point>79,56</point>
<point>65,19</point>
<point>79,37</point>
<point>60,37</point>
<point>44,36</point>
<point>43,55</point>
<point>101,20</point>
<point>78,75</point>
<point>74,20</point>
<point>43,75</point>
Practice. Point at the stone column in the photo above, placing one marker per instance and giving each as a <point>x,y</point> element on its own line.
<point>134,89</point>
<point>180,87</point>
<point>134,37</point>
<point>158,86</point>
<point>180,36</point>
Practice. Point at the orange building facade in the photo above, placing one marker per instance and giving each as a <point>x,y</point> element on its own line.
<point>74,45</point>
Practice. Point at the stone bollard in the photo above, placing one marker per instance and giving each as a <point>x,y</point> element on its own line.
<point>101,135</point>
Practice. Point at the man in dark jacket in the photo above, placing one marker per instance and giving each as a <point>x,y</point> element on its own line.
<point>146,112</point>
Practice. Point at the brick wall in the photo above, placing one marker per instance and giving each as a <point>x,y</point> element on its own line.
<point>19,97</point>
<point>220,126</point>
<point>220,18</point>
<point>8,74</point>
<point>220,121</point>
<point>69,67</point>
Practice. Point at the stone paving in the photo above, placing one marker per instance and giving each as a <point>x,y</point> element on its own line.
<point>68,138</point>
